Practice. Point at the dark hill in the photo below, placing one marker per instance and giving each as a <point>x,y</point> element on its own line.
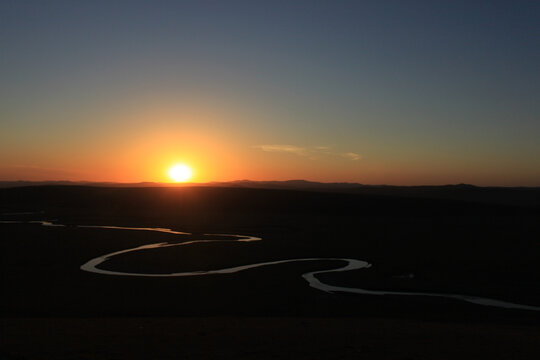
<point>191,200</point>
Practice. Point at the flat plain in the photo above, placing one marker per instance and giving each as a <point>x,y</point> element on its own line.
<point>458,241</point>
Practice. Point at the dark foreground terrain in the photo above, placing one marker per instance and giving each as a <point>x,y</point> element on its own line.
<point>482,245</point>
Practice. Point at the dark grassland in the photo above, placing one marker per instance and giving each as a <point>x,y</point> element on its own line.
<point>486,247</point>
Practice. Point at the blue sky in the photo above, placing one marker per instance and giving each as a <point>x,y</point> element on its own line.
<point>422,91</point>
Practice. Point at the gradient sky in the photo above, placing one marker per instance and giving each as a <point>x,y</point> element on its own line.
<point>381,92</point>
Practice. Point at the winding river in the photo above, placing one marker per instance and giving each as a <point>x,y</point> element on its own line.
<point>311,277</point>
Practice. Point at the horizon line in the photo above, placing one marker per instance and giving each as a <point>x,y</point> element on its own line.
<point>183,184</point>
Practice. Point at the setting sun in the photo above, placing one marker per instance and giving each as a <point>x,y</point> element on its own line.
<point>180,173</point>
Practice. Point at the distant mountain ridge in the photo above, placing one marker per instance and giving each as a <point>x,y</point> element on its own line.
<point>517,196</point>
<point>277,184</point>
<point>273,184</point>
<point>305,184</point>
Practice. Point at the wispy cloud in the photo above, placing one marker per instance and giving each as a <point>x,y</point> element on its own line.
<point>284,148</point>
<point>352,156</point>
<point>311,152</point>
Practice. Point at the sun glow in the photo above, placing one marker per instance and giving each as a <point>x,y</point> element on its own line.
<point>180,173</point>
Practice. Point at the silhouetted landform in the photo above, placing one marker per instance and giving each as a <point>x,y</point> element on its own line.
<point>187,200</point>
<point>525,196</point>
<point>465,240</point>
<point>528,196</point>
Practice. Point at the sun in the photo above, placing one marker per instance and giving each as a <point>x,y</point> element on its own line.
<point>180,173</point>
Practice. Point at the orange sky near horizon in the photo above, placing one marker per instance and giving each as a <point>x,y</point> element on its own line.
<point>217,142</point>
